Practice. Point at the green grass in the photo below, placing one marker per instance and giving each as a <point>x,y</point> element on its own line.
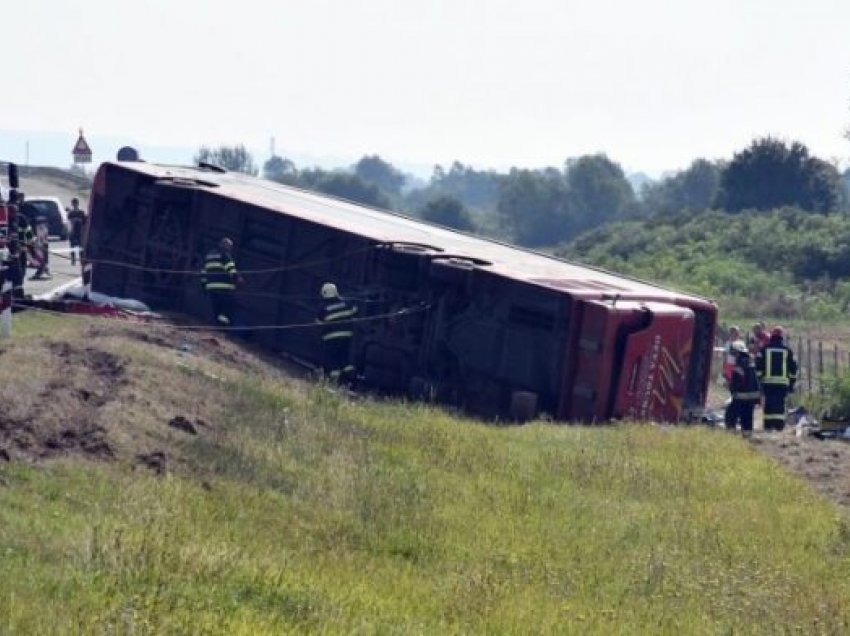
<point>304,512</point>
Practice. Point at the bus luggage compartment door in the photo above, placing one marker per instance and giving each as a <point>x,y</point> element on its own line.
<point>652,381</point>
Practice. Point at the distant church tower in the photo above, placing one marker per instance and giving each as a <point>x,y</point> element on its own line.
<point>81,152</point>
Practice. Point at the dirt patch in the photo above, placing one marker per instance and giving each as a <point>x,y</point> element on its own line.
<point>63,415</point>
<point>823,463</point>
<point>209,345</point>
<point>97,394</point>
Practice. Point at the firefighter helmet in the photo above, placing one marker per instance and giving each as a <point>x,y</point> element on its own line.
<point>329,291</point>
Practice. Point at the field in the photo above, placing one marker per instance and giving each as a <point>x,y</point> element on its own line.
<point>159,481</point>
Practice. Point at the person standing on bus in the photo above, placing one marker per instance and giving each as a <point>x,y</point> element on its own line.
<point>337,333</point>
<point>777,371</point>
<point>219,279</point>
<point>76,221</point>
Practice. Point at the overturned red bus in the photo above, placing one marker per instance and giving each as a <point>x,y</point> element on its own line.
<point>497,330</point>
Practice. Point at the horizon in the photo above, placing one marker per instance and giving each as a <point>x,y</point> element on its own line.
<point>52,149</point>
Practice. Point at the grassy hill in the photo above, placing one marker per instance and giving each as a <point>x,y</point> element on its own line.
<point>784,265</point>
<point>158,481</point>
<point>49,181</point>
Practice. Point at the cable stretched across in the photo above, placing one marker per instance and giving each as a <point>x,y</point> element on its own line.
<point>405,311</point>
<point>198,272</point>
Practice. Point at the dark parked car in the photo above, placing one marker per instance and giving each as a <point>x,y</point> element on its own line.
<point>51,208</point>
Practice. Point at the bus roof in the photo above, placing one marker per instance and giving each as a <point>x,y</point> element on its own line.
<point>388,227</point>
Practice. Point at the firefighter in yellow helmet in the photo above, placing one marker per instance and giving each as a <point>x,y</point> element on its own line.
<point>336,317</point>
<point>777,372</point>
<point>219,279</point>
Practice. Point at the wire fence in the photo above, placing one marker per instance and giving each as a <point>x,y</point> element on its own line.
<point>816,360</point>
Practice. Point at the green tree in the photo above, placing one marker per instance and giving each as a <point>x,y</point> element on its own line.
<point>533,206</point>
<point>373,169</point>
<point>344,185</point>
<point>448,211</point>
<point>770,174</point>
<point>280,169</point>
<point>235,158</point>
<point>478,190</point>
<point>598,192</point>
<point>692,190</point>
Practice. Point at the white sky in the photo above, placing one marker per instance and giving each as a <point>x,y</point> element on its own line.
<point>492,83</point>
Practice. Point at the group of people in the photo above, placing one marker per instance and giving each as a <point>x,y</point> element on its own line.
<point>220,279</point>
<point>25,242</point>
<point>761,369</point>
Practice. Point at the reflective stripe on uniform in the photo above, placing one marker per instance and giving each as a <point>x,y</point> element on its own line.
<point>333,335</point>
<point>748,395</point>
<point>340,314</point>
<point>227,286</point>
<point>334,374</point>
<point>770,360</point>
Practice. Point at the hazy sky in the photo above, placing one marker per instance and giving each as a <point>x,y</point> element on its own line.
<point>492,83</point>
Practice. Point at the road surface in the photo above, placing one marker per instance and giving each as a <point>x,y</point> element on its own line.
<point>62,272</point>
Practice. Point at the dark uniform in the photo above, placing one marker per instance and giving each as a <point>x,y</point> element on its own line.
<point>20,243</point>
<point>777,371</point>
<point>744,386</point>
<point>76,221</point>
<point>337,333</point>
<point>219,280</point>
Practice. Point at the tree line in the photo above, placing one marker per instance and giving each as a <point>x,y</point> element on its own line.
<point>546,207</point>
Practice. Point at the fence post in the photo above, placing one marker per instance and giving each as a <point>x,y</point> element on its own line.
<point>809,363</point>
<point>6,309</point>
<point>835,360</point>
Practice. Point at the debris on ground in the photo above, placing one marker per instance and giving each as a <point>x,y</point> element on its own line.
<point>156,461</point>
<point>183,424</point>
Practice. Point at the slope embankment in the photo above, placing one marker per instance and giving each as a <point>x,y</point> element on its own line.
<point>164,481</point>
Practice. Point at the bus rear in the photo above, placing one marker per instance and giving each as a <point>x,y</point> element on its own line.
<point>637,360</point>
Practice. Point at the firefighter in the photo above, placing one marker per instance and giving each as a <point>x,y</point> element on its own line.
<point>76,221</point>
<point>20,245</point>
<point>744,386</point>
<point>335,318</point>
<point>219,279</point>
<point>777,371</point>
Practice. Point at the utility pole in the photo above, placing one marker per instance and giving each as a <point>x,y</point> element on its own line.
<point>271,146</point>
